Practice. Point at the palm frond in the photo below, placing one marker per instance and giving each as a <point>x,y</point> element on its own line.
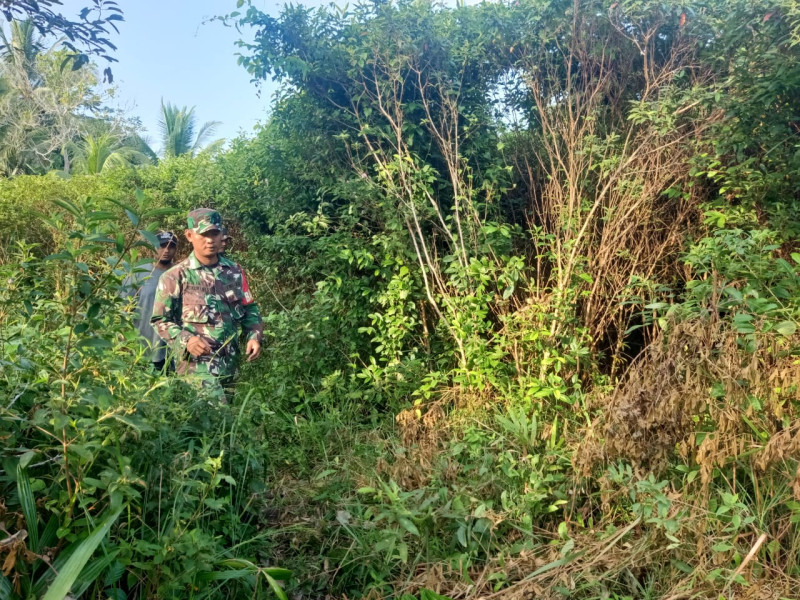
<point>126,157</point>
<point>206,131</point>
<point>177,127</point>
<point>213,146</point>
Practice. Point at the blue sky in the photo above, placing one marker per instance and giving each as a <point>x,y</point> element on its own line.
<point>165,51</point>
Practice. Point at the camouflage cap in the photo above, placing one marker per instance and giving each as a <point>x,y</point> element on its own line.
<point>201,220</point>
<point>225,235</point>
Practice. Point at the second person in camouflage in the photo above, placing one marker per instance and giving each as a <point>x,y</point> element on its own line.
<point>203,301</point>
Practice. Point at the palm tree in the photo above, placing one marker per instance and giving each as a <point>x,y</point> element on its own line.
<point>178,131</point>
<point>106,150</point>
<point>21,48</point>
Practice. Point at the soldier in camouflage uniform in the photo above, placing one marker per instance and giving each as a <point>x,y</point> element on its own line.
<point>200,304</point>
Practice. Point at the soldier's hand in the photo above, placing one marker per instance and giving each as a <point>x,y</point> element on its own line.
<point>253,350</point>
<point>197,346</point>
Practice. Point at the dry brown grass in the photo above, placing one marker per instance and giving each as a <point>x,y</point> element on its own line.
<point>598,562</point>
<point>625,557</point>
<point>666,403</point>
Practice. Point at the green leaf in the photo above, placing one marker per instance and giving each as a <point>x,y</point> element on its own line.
<point>426,594</point>
<point>6,591</point>
<point>278,573</point>
<point>101,215</point>
<point>682,566</point>
<point>402,552</point>
<point>97,343</point>
<point>742,322</point>
<point>72,569</point>
<point>656,306</point>
<point>151,238</point>
<point>274,585</point>
<point>408,525</point>
<point>225,575</point>
<point>238,563</point>
<point>48,537</point>
<point>94,310</point>
<point>92,572</point>
<point>786,328</point>
<point>160,212</point>
<point>28,503</point>
<point>721,547</point>
<point>26,458</point>
<point>215,504</point>
<point>114,574</point>
<point>60,256</point>
<point>134,218</point>
<point>733,293</point>
<point>563,531</point>
<point>68,206</point>
<point>461,534</point>
<point>122,205</point>
<point>137,423</point>
<point>323,474</point>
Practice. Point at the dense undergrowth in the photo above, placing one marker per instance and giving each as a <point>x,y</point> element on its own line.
<point>529,274</point>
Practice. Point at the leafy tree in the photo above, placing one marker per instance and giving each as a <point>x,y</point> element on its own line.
<point>43,107</point>
<point>178,127</point>
<point>85,36</point>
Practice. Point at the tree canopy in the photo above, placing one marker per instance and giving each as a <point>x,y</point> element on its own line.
<point>87,35</point>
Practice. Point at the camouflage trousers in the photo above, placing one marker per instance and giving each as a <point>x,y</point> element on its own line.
<point>210,386</point>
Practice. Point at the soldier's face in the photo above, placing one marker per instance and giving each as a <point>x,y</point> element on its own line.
<point>205,245</point>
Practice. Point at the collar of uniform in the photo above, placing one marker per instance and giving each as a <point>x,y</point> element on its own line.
<point>193,263</point>
<point>225,261</point>
<point>196,264</point>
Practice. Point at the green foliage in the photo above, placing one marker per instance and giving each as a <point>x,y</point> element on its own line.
<point>43,106</point>
<point>107,151</point>
<point>494,247</point>
<point>178,135</point>
<point>391,192</point>
<point>117,478</point>
<point>87,34</point>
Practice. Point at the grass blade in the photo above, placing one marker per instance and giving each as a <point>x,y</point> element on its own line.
<point>6,591</point>
<point>225,575</point>
<point>28,506</point>
<point>72,569</point>
<point>92,572</point>
<point>276,587</point>
<point>278,573</point>
<point>49,534</point>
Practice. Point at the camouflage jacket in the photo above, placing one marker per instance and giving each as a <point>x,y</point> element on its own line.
<point>212,302</point>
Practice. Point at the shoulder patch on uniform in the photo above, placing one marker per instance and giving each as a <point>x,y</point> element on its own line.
<point>248,297</point>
